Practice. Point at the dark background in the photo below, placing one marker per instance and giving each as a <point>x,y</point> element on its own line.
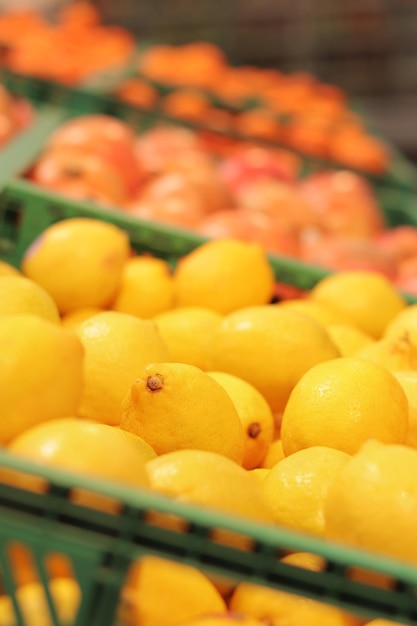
<point>367,47</point>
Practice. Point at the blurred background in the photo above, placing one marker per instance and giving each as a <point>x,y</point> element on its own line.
<point>367,47</point>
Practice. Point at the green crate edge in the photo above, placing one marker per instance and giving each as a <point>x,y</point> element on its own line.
<point>102,545</point>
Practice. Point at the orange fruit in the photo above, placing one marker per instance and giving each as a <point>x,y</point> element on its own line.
<point>187,333</point>
<point>201,279</point>
<point>41,372</point>
<point>22,295</point>
<point>79,262</point>
<point>342,403</point>
<point>296,487</point>
<point>208,479</point>
<point>117,346</point>
<point>367,298</point>
<point>372,504</point>
<point>145,288</point>
<point>270,347</point>
<point>174,406</point>
<point>187,593</point>
<point>255,416</point>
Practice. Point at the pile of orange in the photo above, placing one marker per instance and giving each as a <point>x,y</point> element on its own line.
<point>295,110</point>
<point>74,48</point>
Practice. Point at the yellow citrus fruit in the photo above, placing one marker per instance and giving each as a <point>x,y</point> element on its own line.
<point>408,381</point>
<point>146,287</point>
<point>158,591</point>
<point>368,299</point>
<point>255,416</point>
<point>79,261</point>
<point>279,608</point>
<point>174,406</point>
<point>86,448</point>
<point>296,487</point>
<point>404,325</point>
<point>208,479</point>
<point>75,318</point>
<point>348,339</point>
<point>8,270</point>
<point>41,373</point>
<point>224,275</point>
<point>223,619</point>
<point>320,312</point>
<point>373,502</point>
<point>271,348</point>
<point>22,295</point>
<point>117,346</point>
<point>341,403</point>
<point>187,333</point>
<point>275,453</point>
<point>382,622</point>
<point>397,354</point>
<point>145,450</point>
<point>31,597</point>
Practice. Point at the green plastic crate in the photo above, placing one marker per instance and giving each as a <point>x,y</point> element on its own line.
<point>100,547</point>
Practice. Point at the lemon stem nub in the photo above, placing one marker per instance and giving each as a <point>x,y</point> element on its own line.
<point>155,382</point>
<point>254,429</point>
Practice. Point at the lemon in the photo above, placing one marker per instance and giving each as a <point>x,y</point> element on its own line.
<point>274,454</point>
<point>372,503</point>
<point>8,270</point>
<point>224,275</point>
<point>255,416</point>
<point>117,346</point>
<point>210,480</point>
<point>271,348</point>
<point>186,591</point>
<point>73,319</point>
<point>404,324</point>
<point>368,299</point>
<point>79,262</point>
<point>296,487</point>
<point>22,295</point>
<point>320,312</point>
<point>41,373</point>
<point>187,333</point>
<point>395,354</point>
<point>348,339</point>
<point>146,287</point>
<point>342,403</point>
<point>408,381</point>
<point>176,406</point>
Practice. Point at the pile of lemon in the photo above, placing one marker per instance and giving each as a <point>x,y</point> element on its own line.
<point>189,381</point>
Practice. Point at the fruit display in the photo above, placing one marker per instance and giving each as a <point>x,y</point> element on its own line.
<point>191,382</point>
<point>195,82</point>
<point>171,175</point>
<point>16,114</point>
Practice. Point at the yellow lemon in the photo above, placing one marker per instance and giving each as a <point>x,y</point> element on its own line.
<point>260,473</point>
<point>146,287</point>
<point>271,348</point>
<point>185,590</point>
<point>404,324</point>
<point>348,339</point>
<point>223,619</point>
<point>368,299</point>
<point>22,295</point>
<point>210,480</point>
<point>395,354</point>
<point>277,608</point>
<point>224,275</point>
<point>41,373</point>
<point>174,406</point>
<point>187,333</point>
<point>79,261</point>
<point>372,504</point>
<point>117,346</point>
<point>408,381</point>
<point>254,413</point>
<point>342,403</point>
<point>296,487</point>
<point>320,312</point>
<point>274,454</point>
